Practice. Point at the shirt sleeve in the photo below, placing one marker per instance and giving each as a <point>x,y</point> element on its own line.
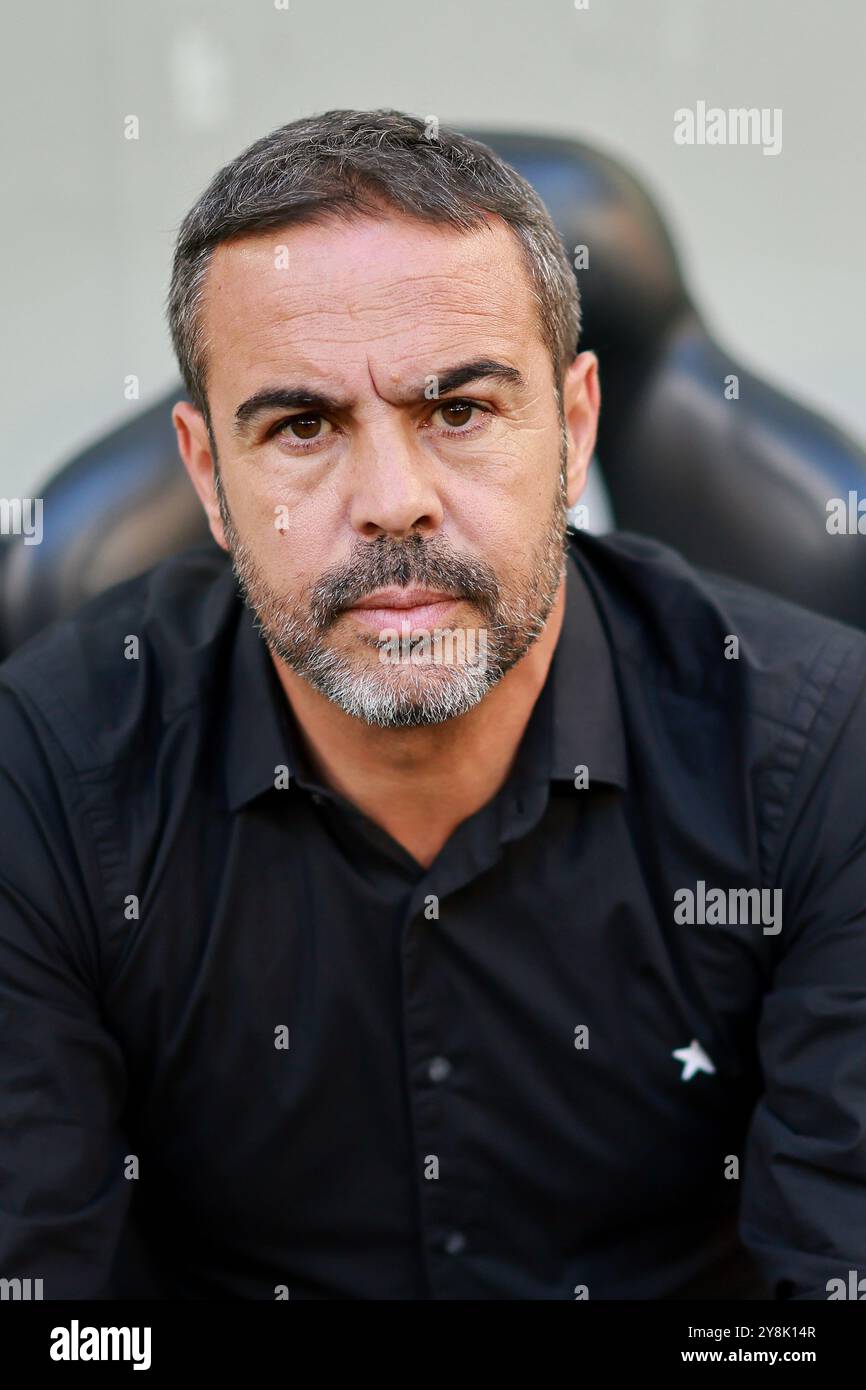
<point>803,1202</point>
<point>63,1193</point>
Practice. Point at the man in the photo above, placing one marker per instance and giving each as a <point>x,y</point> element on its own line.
<point>475,911</point>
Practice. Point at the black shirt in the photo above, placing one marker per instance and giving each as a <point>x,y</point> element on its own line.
<point>252,1049</point>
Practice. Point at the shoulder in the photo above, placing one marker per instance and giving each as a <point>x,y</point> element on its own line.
<point>720,683</point>
<point>711,637</point>
<point>132,657</point>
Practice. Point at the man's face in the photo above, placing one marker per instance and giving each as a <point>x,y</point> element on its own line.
<point>387,485</point>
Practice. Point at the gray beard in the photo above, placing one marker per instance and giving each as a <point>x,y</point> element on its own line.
<point>404,694</point>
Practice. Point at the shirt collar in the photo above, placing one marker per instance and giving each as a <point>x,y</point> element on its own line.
<point>579,703</point>
<point>587,726</point>
<point>260,737</point>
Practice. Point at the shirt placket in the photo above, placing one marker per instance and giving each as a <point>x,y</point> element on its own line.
<point>450,1228</point>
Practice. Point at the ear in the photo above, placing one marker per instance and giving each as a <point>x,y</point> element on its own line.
<point>194,446</point>
<point>581,402</point>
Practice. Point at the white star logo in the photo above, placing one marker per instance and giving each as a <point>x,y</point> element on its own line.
<point>694,1059</point>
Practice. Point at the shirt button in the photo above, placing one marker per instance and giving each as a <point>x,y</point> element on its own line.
<point>455,1243</point>
<point>439,1068</point>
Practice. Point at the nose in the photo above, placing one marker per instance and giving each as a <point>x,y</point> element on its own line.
<point>394,490</point>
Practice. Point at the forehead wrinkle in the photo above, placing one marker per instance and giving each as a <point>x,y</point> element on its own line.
<point>437,299</point>
<point>373,296</point>
<point>319,363</point>
<point>436,335</point>
<point>340,272</point>
<point>441,298</point>
<point>344,323</point>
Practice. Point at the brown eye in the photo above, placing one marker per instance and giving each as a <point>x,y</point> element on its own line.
<point>456,413</point>
<point>304,426</point>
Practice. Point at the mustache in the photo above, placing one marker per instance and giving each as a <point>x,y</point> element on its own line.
<point>385,563</point>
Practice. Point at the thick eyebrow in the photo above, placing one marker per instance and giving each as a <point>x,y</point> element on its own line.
<point>306,398</point>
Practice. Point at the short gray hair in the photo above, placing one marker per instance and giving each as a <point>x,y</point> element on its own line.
<point>346,165</point>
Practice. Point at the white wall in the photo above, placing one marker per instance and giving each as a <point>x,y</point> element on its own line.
<point>773,246</point>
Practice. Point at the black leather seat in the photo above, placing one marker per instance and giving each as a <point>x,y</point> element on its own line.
<point>739,486</point>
